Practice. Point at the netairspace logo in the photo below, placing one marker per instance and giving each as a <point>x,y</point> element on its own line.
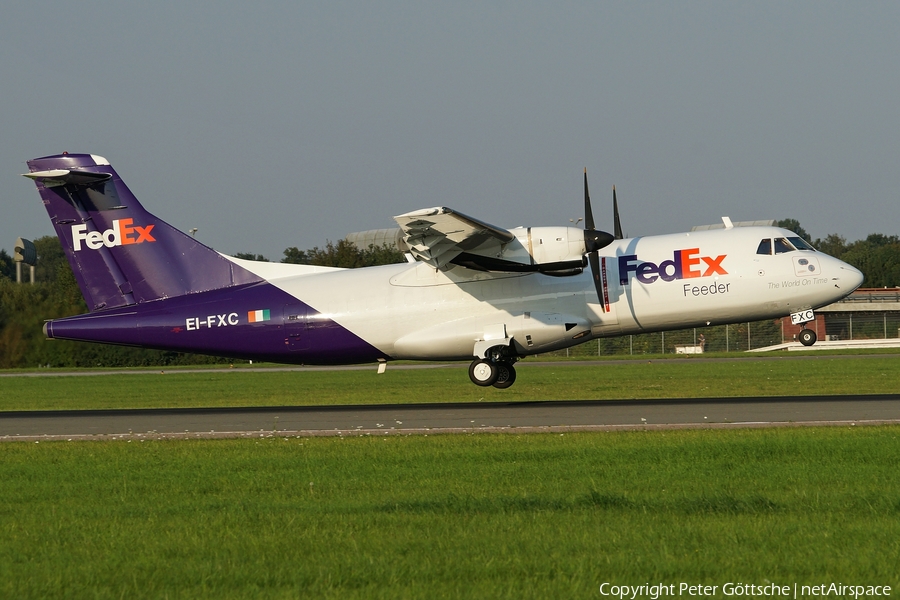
<point>743,590</point>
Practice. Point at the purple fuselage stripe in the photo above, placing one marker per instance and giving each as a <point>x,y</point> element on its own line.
<point>256,321</point>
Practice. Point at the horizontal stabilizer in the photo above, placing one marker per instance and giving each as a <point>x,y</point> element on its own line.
<point>58,177</point>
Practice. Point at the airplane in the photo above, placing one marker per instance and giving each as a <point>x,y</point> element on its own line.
<point>470,291</point>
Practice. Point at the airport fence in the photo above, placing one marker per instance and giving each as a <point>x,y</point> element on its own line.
<point>863,326</point>
<point>738,337</point>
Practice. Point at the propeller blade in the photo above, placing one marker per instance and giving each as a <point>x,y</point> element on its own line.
<point>594,260</point>
<point>588,213</point>
<point>593,239</point>
<point>617,225</point>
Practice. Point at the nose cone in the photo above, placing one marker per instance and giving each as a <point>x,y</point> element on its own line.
<point>850,277</point>
<point>854,276</point>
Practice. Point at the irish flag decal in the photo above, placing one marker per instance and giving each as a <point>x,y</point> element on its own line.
<point>258,316</point>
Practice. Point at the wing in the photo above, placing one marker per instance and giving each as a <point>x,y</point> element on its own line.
<point>438,235</point>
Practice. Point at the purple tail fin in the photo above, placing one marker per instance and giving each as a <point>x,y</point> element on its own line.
<point>120,253</point>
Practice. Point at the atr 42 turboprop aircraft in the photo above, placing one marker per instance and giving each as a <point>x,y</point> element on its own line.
<point>472,291</point>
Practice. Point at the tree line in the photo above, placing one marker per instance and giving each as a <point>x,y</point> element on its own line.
<point>24,308</point>
<point>55,294</point>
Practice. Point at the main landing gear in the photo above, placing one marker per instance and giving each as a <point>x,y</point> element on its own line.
<point>496,370</point>
<point>485,372</point>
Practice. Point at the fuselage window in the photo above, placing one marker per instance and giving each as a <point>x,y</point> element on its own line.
<point>765,247</point>
<point>801,244</point>
<point>782,246</point>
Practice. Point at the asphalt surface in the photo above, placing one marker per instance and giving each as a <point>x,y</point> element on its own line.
<point>516,417</point>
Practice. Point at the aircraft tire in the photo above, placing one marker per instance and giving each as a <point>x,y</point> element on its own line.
<point>807,337</point>
<point>483,372</point>
<point>506,376</point>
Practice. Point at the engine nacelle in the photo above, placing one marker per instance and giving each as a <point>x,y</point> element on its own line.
<point>551,250</point>
<point>551,245</point>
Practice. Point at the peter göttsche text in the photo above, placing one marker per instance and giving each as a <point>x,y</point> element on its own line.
<point>742,590</point>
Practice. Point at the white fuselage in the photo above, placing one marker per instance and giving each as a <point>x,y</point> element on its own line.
<point>653,283</point>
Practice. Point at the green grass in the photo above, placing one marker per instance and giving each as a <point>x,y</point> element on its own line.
<point>560,381</point>
<point>495,516</point>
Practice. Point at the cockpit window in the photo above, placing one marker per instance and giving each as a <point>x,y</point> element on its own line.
<point>801,244</point>
<point>782,246</point>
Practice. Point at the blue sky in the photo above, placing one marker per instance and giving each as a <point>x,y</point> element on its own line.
<point>288,124</point>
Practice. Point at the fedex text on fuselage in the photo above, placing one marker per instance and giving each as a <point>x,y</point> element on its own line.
<point>685,264</point>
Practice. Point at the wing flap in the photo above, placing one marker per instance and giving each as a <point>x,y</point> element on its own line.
<point>438,235</point>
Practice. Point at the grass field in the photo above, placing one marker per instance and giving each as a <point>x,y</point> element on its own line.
<point>493,516</point>
<point>674,378</point>
<point>485,516</point>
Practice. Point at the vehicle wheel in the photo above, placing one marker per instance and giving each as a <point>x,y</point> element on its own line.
<point>483,372</point>
<point>506,376</point>
<point>807,337</point>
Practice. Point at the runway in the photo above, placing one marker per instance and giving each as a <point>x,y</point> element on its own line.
<point>424,419</point>
<point>269,368</point>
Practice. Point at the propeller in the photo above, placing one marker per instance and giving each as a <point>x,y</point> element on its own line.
<point>616,224</point>
<point>595,239</point>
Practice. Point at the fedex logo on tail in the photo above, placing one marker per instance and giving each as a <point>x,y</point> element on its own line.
<point>685,264</point>
<point>122,233</point>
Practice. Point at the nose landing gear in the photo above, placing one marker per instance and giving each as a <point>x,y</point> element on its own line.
<point>807,337</point>
<point>803,318</point>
